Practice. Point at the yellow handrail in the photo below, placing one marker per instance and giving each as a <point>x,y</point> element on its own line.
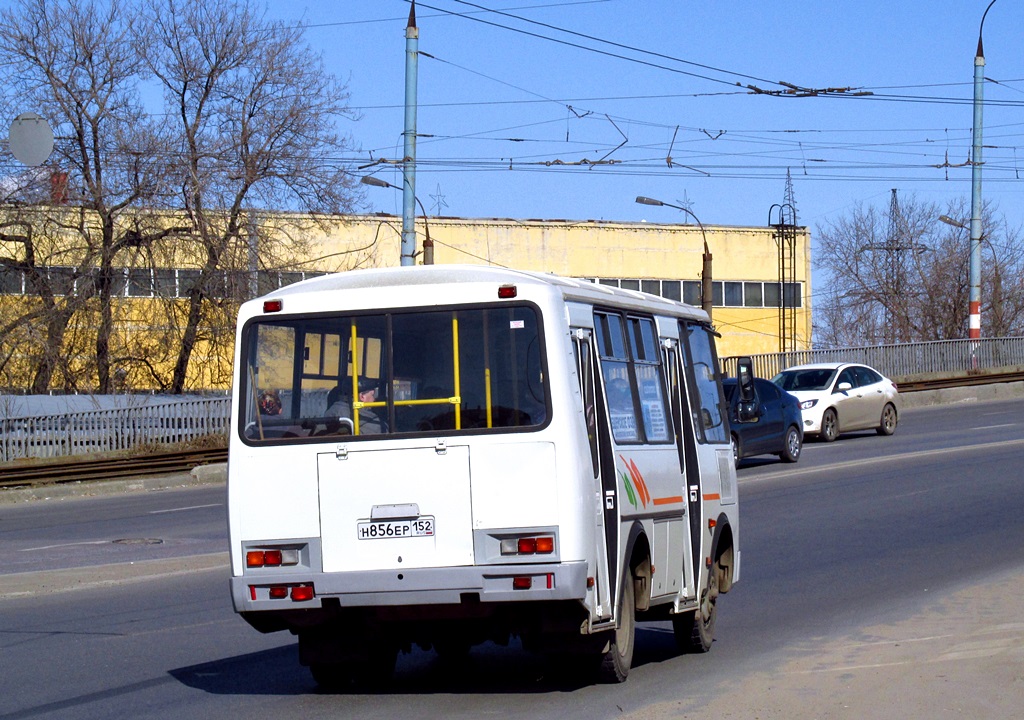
<point>455,362</point>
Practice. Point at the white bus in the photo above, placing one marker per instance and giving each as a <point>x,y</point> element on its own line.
<point>441,456</point>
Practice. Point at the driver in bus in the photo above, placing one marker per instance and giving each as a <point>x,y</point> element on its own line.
<point>339,406</point>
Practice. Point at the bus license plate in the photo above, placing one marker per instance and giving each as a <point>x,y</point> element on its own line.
<point>384,529</point>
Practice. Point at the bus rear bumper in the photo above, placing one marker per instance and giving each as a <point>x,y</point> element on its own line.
<point>275,591</point>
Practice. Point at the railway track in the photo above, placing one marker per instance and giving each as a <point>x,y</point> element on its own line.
<point>72,469</point>
<point>69,470</point>
<point>966,381</point>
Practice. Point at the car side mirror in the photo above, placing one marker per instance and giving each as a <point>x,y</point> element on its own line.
<point>844,387</point>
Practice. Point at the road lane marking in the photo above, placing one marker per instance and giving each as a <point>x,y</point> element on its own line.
<point>183,509</point>
<point>880,459</point>
<point>51,547</point>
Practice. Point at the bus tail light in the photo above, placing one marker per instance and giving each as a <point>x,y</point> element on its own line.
<point>298,593</point>
<point>301,593</point>
<point>528,545</point>
<point>271,557</point>
<point>522,583</point>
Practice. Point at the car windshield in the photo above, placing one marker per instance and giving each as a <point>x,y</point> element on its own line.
<point>730,390</point>
<point>811,379</point>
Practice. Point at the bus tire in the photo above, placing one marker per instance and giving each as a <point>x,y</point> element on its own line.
<point>618,657</point>
<point>373,671</point>
<point>695,630</point>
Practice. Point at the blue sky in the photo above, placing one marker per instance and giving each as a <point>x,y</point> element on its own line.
<point>510,109</point>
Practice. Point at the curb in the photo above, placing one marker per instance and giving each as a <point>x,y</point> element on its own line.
<point>43,582</point>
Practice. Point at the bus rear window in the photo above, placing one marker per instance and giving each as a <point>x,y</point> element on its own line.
<point>441,371</point>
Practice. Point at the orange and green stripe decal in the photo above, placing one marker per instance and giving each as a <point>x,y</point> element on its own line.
<point>668,500</point>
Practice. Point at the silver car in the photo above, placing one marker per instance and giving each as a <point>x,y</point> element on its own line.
<point>840,397</point>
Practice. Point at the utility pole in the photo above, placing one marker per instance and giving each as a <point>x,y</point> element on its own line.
<point>412,38</point>
<point>974,308</point>
<point>897,242</point>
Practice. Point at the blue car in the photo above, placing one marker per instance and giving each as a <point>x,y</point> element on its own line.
<point>773,425</point>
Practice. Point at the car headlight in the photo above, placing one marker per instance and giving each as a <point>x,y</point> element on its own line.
<point>808,404</point>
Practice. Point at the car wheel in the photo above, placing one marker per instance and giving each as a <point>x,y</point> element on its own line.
<point>829,425</point>
<point>889,419</point>
<point>736,454</point>
<point>792,445</point>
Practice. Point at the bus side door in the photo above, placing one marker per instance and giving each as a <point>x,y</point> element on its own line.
<point>607,520</point>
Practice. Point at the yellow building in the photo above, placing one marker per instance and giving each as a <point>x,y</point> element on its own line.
<point>663,259</point>
<point>275,249</point>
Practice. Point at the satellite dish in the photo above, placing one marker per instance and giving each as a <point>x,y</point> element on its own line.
<point>31,139</point>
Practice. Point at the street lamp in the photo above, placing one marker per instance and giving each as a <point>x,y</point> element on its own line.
<point>705,275</point>
<point>428,244</point>
<point>974,311</point>
<point>997,281</point>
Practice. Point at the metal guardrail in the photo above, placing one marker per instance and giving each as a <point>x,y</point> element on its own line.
<point>187,420</point>
<point>944,357</point>
<point>113,430</point>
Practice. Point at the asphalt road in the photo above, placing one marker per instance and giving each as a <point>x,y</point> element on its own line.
<point>862,533</point>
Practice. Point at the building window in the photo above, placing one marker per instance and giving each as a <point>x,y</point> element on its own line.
<point>165,283</point>
<point>671,289</point>
<point>724,293</point>
<point>692,292</point>
<point>733,294</point>
<point>140,282</point>
<point>11,281</point>
<point>752,294</point>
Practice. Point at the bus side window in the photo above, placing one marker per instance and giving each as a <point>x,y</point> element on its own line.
<point>585,369</point>
<point>706,394</point>
<point>615,369</point>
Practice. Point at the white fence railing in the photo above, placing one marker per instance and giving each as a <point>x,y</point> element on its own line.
<point>943,357</point>
<point>78,433</point>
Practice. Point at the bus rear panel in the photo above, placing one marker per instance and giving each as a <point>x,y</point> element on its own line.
<point>438,457</point>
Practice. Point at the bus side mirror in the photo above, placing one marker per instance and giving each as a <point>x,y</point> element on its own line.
<point>745,379</point>
<point>746,409</point>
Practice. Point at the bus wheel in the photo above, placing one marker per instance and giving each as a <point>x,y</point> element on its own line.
<point>695,630</point>
<point>370,672</point>
<point>331,677</point>
<point>617,659</point>
<point>453,650</point>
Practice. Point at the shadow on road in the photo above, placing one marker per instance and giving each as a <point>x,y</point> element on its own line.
<point>487,669</point>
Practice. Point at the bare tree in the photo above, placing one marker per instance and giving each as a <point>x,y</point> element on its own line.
<point>70,60</point>
<point>237,169</point>
<point>902,276</point>
<point>254,113</point>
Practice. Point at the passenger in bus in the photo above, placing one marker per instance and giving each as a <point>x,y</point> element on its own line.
<point>340,407</point>
<point>269,402</point>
